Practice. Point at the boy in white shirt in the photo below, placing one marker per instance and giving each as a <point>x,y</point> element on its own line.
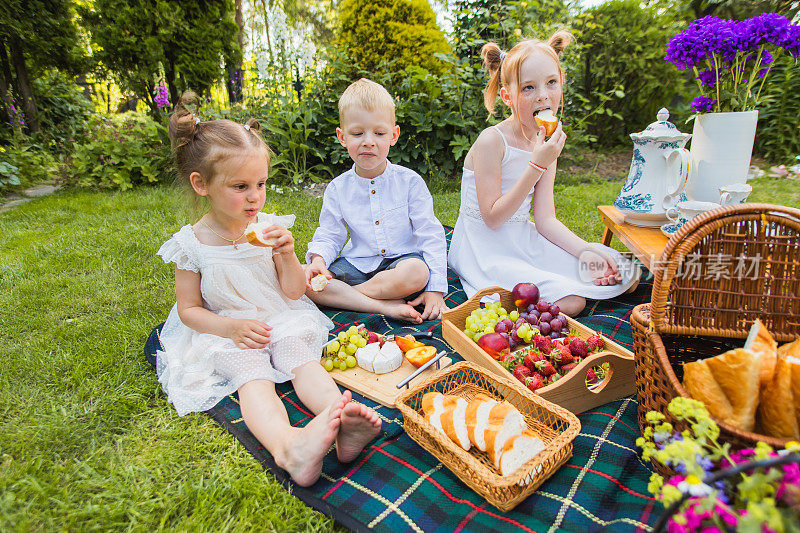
<point>397,249</point>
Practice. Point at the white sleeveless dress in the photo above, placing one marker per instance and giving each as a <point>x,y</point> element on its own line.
<point>197,370</point>
<point>515,252</point>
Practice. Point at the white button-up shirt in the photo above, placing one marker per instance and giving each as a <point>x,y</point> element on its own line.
<point>387,216</point>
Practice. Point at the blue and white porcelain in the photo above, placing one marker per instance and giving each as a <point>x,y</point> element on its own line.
<point>670,228</point>
<point>659,170</point>
<point>735,193</point>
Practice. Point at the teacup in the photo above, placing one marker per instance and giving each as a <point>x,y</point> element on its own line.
<point>735,193</point>
<point>682,212</point>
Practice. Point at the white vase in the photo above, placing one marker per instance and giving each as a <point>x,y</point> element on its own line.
<point>722,144</point>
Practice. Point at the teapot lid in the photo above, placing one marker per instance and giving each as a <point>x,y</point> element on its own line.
<point>661,130</point>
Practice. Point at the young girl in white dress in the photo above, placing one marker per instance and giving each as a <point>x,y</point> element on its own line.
<point>241,321</point>
<point>512,164</point>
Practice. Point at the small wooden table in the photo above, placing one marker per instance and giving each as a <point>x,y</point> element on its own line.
<point>647,244</point>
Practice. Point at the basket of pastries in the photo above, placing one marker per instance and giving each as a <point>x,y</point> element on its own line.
<point>501,440</point>
<point>723,324</point>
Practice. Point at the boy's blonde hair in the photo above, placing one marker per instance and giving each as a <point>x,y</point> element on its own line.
<point>504,68</point>
<point>365,94</point>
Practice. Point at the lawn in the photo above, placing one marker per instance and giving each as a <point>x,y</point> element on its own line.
<point>87,439</point>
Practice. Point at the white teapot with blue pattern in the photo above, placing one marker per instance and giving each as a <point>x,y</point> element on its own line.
<point>659,171</point>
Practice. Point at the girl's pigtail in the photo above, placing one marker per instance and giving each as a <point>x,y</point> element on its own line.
<point>559,41</point>
<point>253,126</point>
<point>492,59</point>
<point>182,123</point>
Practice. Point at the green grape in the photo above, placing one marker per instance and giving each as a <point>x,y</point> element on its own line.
<point>513,315</point>
<point>328,364</point>
<point>354,339</point>
<point>477,336</point>
<point>342,365</point>
<point>352,330</point>
<point>361,342</point>
<point>470,332</point>
<point>350,361</point>
<point>502,311</point>
<point>333,347</point>
<point>350,349</point>
<point>342,354</point>
<point>342,336</point>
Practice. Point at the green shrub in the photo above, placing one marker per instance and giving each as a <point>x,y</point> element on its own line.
<point>622,45</point>
<point>121,152</point>
<point>63,109</point>
<point>778,134</point>
<point>23,164</point>
<point>403,31</point>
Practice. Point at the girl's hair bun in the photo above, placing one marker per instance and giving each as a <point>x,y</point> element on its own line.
<point>182,123</point>
<point>559,41</point>
<point>492,57</point>
<point>253,126</point>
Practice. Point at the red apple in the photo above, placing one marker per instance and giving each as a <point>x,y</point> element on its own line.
<point>494,344</point>
<point>525,294</point>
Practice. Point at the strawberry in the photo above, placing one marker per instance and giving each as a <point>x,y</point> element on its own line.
<point>533,383</point>
<point>532,358</point>
<point>536,374</point>
<point>521,372</point>
<point>546,368</point>
<point>508,361</point>
<point>595,342</point>
<point>566,368</point>
<point>562,356</point>
<point>557,344</point>
<point>579,347</point>
<point>591,377</point>
<point>555,377</point>
<point>544,343</point>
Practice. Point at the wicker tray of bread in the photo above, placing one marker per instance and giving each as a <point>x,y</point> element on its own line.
<point>572,391</point>
<point>463,409</point>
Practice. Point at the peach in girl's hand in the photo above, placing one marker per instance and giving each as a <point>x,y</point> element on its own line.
<point>547,120</point>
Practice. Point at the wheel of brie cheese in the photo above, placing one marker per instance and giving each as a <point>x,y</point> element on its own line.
<point>380,360</point>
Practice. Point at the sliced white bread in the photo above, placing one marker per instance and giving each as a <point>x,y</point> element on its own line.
<point>519,450</point>
<point>477,419</point>
<point>454,423</point>
<point>255,234</point>
<point>504,422</point>
<point>434,405</point>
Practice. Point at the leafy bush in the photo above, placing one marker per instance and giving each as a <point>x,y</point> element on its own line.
<point>778,135</point>
<point>622,46</point>
<point>121,152</point>
<point>23,164</point>
<point>403,30</point>
<point>63,109</point>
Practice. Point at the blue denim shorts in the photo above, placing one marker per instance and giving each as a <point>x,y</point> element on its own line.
<point>342,269</point>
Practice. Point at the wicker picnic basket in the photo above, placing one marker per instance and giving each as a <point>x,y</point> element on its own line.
<point>556,427</point>
<point>702,313</point>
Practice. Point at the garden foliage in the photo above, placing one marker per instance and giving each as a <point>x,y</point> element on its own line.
<point>121,152</point>
<point>404,32</point>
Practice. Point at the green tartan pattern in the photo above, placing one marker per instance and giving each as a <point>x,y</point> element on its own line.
<point>396,485</point>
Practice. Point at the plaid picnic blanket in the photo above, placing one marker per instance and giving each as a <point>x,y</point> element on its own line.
<point>396,485</point>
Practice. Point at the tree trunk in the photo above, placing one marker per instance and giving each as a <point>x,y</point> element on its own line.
<point>25,87</point>
<point>5,84</point>
<point>235,73</point>
<point>266,30</point>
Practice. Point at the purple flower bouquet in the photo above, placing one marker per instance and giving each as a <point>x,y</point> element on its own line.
<point>731,59</point>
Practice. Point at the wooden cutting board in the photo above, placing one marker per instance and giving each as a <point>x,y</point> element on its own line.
<point>382,388</point>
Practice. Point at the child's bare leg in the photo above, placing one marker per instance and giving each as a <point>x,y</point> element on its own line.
<point>409,276</point>
<point>341,295</point>
<point>359,423</point>
<point>299,451</point>
<point>571,305</point>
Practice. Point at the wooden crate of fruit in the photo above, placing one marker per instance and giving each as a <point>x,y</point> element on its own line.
<point>598,370</point>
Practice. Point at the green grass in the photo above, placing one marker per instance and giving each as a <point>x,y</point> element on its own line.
<point>87,439</point>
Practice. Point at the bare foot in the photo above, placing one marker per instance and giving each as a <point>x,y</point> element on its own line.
<point>360,424</point>
<point>403,311</point>
<point>304,452</point>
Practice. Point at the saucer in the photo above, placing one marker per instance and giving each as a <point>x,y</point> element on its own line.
<point>670,228</point>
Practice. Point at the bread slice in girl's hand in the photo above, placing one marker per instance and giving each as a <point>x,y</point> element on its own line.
<point>255,234</point>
